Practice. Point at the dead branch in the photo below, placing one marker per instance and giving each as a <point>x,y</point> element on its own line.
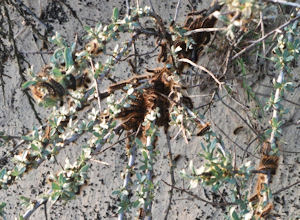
<point>293,4</point>
<point>202,68</point>
<point>214,204</point>
<point>264,37</point>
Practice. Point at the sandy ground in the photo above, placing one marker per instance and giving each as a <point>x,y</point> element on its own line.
<point>96,200</point>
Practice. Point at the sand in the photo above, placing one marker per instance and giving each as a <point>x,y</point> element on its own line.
<point>96,200</point>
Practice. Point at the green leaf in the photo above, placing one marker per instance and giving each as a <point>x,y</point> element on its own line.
<point>203,147</point>
<point>116,192</point>
<point>28,83</point>
<point>58,53</point>
<point>289,58</point>
<point>274,122</point>
<point>138,142</point>
<point>90,92</point>
<point>136,203</point>
<point>143,178</point>
<point>49,102</point>
<point>110,27</point>
<point>96,134</point>
<point>121,28</point>
<point>73,47</point>
<point>60,129</point>
<point>2,205</point>
<point>17,172</point>
<point>55,186</point>
<point>90,125</point>
<point>143,167</point>
<point>56,72</point>
<point>87,28</point>
<point>213,145</point>
<point>84,169</point>
<point>68,57</point>
<point>61,179</point>
<point>115,14</point>
<point>34,147</point>
<point>55,196</point>
<point>25,199</point>
<point>234,216</point>
<point>138,176</point>
<point>145,155</point>
<point>2,173</point>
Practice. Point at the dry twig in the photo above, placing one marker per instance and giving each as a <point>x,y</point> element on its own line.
<point>214,204</point>
<point>264,37</point>
<point>202,68</point>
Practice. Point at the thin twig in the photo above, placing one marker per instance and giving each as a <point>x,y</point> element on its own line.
<point>100,152</point>
<point>202,68</point>
<point>228,55</point>
<point>36,206</point>
<point>21,4</point>
<point>135,57</point>
<point>262,33</point>
<point>188,33</point>
<point>192,6</point>
<point>287,187</point>
<point>37,52</point>
<point>140,55</point>
<point>151,5</point>
<point>249,144</point>
<point>235,111</point>
<point>73,12</point>
<point>97,87</point>
<point>214,204</point>
<point>284,3</point>
<point>264,37</point>
<point>45,211</point>
<point>171,164</point>
<point>150,144</point>
<point>100,162</point>
<point>177,10</point>
<point>128,172</point>
<point>284,99</point>
<point>189,111</point>
<point>228,137</point>
<point>23,29</point>
<point>16,53</point>
<point>37,47</point>
<point>161,26</point>
<point>127,7</point>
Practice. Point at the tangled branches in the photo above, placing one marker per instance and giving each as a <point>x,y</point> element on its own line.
<point>73,84</point>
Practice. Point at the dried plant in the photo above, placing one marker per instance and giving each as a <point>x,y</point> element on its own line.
<point>142,104</point>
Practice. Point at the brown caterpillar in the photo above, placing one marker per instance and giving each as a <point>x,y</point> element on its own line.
<point>41,90</point>
<point>59,89</point>
<point>160,94</point>
<point>51,88</point>
<point>268,164</point>
<point>203,19</point>
<point>203,128</point>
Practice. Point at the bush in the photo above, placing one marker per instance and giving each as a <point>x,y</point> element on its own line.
<point>146,105</point>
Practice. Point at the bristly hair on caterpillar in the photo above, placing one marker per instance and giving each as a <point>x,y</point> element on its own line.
<point>267,166</point>
<point>195,20</point>
<point>49,87</point>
